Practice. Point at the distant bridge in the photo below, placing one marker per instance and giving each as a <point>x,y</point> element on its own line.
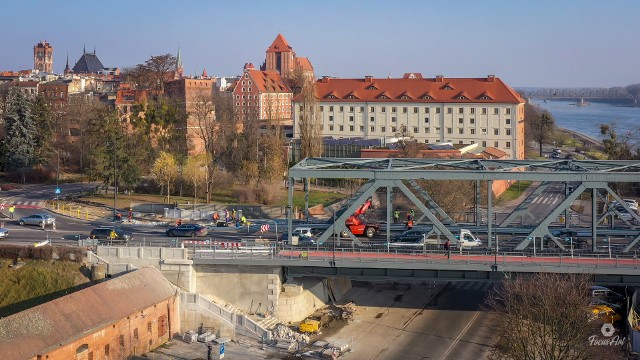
<point>586,93</point>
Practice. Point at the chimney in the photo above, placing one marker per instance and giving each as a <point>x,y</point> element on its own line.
<point>325,79</point>
<point>491,78</point>
<point>439,78</point>
<point>368,79</point>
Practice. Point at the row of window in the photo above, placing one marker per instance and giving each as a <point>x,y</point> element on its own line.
<point>394,109</point>
<point>472,121</point>
<point>416,130</point>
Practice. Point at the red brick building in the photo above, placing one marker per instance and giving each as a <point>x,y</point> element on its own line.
<point>281,58</point>
<point>124,316</point>
<point>43,57</point>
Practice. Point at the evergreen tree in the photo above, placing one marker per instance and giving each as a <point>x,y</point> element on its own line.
<point>43,119</point>
<point>21,132</point>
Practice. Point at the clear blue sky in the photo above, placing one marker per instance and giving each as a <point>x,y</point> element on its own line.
<point>526,43</point>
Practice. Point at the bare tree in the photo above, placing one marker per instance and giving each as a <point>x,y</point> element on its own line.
<point>540,125</point>
<point>309,123</point>
<point>546,316</point>
<point>152,74</point>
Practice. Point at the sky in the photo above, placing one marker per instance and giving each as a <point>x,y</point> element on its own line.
<point>541,43</point>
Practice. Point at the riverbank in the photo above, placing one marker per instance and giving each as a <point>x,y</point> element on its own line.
<point>586,140</point>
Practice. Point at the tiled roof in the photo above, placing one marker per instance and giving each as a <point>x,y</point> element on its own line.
<point>268,81</point>
<point>304,63</point>
<point>428,90</point>
<point>279,45</point>
<point>494,153</point>
<point>34,331</point>
<point>28,83</point>
<point>88,64</point>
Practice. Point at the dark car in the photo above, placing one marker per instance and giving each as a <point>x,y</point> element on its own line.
<point>107,233</point>
<point>408,236</point>
<point>567,237</point>
<point>192,230</point>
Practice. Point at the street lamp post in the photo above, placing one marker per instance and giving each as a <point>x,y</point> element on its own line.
<point>115,181</point>
<point>58,174</point>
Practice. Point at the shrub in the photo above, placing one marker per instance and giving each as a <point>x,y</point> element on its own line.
<point>245,195</point>
<point>35,175</point>
<point>266,194</point>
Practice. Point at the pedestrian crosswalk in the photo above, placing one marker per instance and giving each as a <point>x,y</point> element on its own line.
<point>25,204</point>
<point>548,200</point>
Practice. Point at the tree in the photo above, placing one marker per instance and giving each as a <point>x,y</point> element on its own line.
<point>20,133</point>
<point>545,316</point>
<point>618,147</point>
<point>309,124</point>
<point>195,172</point>
<point>152,74</point>
<point>541,127</point>
<point>165,168</point>
<point>44,121</point>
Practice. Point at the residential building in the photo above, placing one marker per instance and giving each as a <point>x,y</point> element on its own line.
<point>116,319</point>
<point>43,57</point>
<point>429,110</point>
<point>280,57</point>
<point>263,96</point>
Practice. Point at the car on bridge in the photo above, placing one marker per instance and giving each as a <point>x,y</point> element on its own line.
<point>110,233</point>
<point>568,237</point>
<point>4,233</point>
<point>191,230</point>
<point>37,219</point>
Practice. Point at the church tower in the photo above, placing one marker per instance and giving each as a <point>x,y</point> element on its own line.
<point>43,57</point>
<point>67,69</point>
<point>280,57</point>
<point>179,69</point>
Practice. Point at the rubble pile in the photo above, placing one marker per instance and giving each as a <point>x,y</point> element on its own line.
<point>347,311</point>
<point>282,332</point>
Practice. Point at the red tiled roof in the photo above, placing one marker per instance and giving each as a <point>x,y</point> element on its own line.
<point>279,45</point>
<point>494,153</point>
<point>28,83</point>
<point>268,81</point>
<point>304,63</point>
<point>370,90</point>
<point>38,329</point>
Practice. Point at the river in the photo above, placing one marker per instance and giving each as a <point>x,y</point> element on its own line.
<point>587,119</point>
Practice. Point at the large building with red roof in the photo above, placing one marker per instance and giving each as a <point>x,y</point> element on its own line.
<point>281,58</point>
<point>485,110</point>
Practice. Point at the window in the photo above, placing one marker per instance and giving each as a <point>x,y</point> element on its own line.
<point>341,108</point>
<point>484,144</point>
<point>135,333</point>
<point>472,131</point>
<point>460,142</point>
<point>495,144</point>
<point>121,339</point>
<point>341,127</point>
<point>393,119</point>
<point>321,108</point>
<point>415,129</point>
<point>472,110</point>
<point>507,144</point>
<point>373,119</point>
<point>383,129</point>
<point>351,128</point>
<point>372,128</point>
<point>460,130</point>
<point>507,111</point>
<point>351,118</point>
<point>483,131</point>
<point>449,130</point>
<point>496,111</point>
<point>426,130</point>
<point>362,128</point>
<point>404,110</point>
<point>460,110</point>
<point>507,131</point>
<point>426,110</point>
<point>300,107</point>
<point>81,349</point>
<point>373,109</point>
<point>484,111</point>
<point>330,127</point>
<point>393,129</point>
<point>106,350</point>
<point>507,121</point>
<point>426,120</point>
<point>449,110</point>
<point>460,121</point>
<point>426,141</point>
<point>361,108</point>
<point>330,117</point>
<point>383,109</point>
<point>330,108</point>
<point>472,121</point>
<point>393,109</point>
<point>415,110</point>
<point>437,110</point>
<point>496,131</point>
<point>149,327</point>
<point>351,109</point>
<point>438,130</point>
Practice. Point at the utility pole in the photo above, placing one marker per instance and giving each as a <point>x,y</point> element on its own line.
<point>115,181</point>
<point>58,174</point>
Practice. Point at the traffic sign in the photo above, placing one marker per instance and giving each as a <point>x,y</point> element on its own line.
<point>222,351</point>
<point>264,228</point>
<point>1,206</point>
<point>58,191</point>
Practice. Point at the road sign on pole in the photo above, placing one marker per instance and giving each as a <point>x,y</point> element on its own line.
<point>222,351</point>
<point>58,191</point>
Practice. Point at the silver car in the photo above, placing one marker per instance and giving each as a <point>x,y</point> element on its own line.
<point>3,233</point>
<point>37,219</point>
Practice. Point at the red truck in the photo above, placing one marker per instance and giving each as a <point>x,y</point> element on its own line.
<point>358,226</point>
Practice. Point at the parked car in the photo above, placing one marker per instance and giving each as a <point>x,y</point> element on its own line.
<point>105,233</point>
<point>37,219</point>
<point>4,233</point>
<point>192,230</point>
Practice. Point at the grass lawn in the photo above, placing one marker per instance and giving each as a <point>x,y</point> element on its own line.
<point>514,190</point>
<point>315,197</point>
<point>36,283</point>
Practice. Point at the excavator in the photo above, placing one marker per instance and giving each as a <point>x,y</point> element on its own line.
<point>358,226</point>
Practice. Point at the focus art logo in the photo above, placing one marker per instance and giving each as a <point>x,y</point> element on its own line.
<point>609,339</point>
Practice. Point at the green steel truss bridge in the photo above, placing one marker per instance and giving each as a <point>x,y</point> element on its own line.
<point>576,176</point>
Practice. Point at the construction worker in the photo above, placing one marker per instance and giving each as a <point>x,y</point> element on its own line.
<point>215,216</point>
<point>130,214</point>
<point>396,216</point>
<point>413,213</point>
<point>233,215</point>
<point>12,209</point>
<point>409,224</point>
<point>113,235</point>
<point>243,220</point>
<point>226,216</point>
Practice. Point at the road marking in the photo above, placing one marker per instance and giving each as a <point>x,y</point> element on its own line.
<point>464,331</point>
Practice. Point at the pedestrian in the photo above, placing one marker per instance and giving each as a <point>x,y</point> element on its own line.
<point>447,248</point>
<point>413,213</point>
<point>233,215</point>
<point>215,217</point>
<point>243,220</point>
<point>409,224</point>
<point>179,222</point>
<point>113,235</point>
<point>409,217</point>
<point>226,217</point>
<point>130,214</point>
<point>12,209</point>
<point>396,216</point>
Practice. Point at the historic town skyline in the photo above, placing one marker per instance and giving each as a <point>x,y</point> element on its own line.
<point>534,44</point>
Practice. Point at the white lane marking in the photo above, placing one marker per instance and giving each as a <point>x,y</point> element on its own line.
<point>464,331</point>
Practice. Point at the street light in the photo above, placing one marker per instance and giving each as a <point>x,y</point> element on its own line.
<point>58,174</point>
